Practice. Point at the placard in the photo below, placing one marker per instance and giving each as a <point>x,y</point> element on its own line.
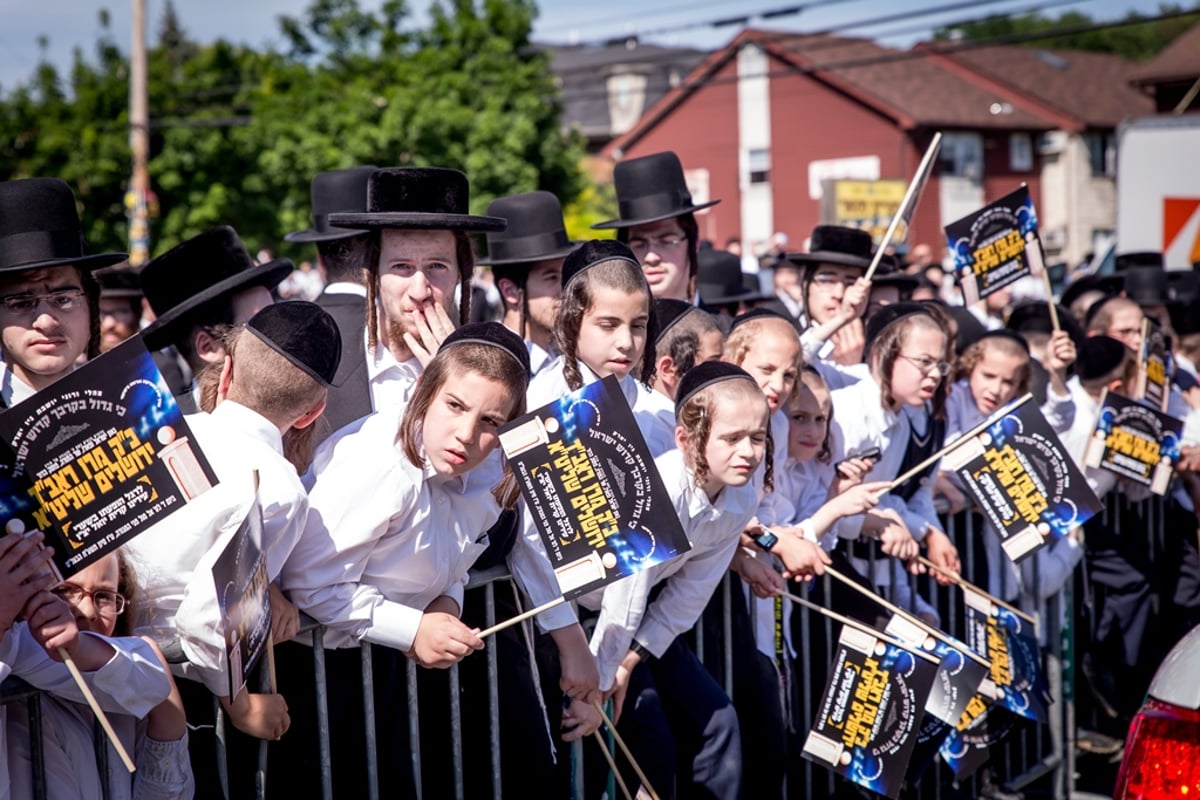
<point>996,246</point>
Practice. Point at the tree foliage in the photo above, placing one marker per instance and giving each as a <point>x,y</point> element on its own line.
<point>238,132</point>
<point>1140,40</point>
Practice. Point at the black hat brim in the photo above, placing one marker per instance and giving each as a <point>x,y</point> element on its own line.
<point>413,220</point>
<point>899,280</point>
<point>163,330</point>
<point>829,257</point>
<point>629,223</point>
<point>331,234</point>
<point>503,262</point>
<point>89,263</point>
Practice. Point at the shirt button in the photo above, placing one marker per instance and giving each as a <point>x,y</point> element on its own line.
<point>441,500</point>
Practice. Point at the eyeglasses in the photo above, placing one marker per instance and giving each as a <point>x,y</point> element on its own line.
<point>665,242</point>
<point>63,300</point>
<point>106,602</point>
<point>926,364</point>
<point>827,280</point>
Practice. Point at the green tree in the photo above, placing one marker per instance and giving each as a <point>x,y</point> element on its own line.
<point>1141,39</point>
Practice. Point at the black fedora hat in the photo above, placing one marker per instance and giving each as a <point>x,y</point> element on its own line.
<point>1140,258</point>
<point>196,271</point>
<point>39,227</point>
<point>119,281</point>
<point>1147,285</point>
<point>836,244</point>
<point>650,189</point>
<point>719,277</point>
<point>423,198</point>
<point>535,230</point>
<point>1107,284</point>
<point>335,190</point>
<point>889,273</point>
<point>1033,316</point>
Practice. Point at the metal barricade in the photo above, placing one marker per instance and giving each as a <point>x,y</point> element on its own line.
<point>1036,757</point>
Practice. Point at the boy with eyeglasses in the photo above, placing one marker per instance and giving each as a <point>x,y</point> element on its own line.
<point>48,298</point>
<point>657,219</point>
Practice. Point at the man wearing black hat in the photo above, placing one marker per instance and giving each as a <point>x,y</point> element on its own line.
<point>526,261</point>
<point>419,255</point>
<point>199,290</point>
<point>48,297</point>
<point>834,296</point>
<point>657,219</point>
<point>342,257</point>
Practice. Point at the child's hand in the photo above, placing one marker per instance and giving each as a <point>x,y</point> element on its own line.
<point>944,486</point>
<point>848,343</point>
<point>1060,352</point>
<point>850,473</point>
<point>579,676</point>
<point>854,300</point>
<point>621,684</point>
<point>52,623</point>
<point>442,639</point>
<point>897,541</point>
<point>263,716</point>
<point>580,719</point>
<point>285,617</point>
<point>763,581</point>
<point>802,559</point>
<point>859,499</point>
<point>942,552</point>
<point>433,326</point>
<point>23,573</point>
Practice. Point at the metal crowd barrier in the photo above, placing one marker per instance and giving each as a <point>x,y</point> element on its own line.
<point>1039,758</point>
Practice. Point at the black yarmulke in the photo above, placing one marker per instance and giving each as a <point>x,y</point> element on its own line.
<point>1098,356</point>
<point>670,311</point>
<point>593,252</point>
<point>881,319</point>
<point>704,375</point>
<point>492,334</point>
<point>303,333</point>
<point>758,313</point>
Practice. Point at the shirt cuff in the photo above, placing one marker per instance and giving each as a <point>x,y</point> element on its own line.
<point>654,637</point>
<point>394,625</point>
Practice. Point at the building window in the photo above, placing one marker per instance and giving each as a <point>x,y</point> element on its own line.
<point>758,166</point>
<point>1020,152</point>
<point>1102,153</point>
<point>961,155</point>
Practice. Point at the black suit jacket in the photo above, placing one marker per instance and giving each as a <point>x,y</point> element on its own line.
<point>350,397</point>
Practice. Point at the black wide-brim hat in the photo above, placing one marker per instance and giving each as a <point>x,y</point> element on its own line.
<point>836,244</point>
<point>418,198</point>
<point>1033,316</point>
<point>535,230</point>
<point>719,277</point>
<point>650,189</point>
<point>1147,285</point>
<point>192,273</point>
<point>335,190</point>
<point>118,282</point>
<point>1138,258</point>
<point>1107,284</point>
<point>39,227</point>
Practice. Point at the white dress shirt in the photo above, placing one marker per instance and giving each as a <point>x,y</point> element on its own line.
<point>13,390</point>
<point>714,529</point>
<point>174,558</point>
<point>133,682</point>
<point>655,414</point>
<point>384,538</point>
<point>391,382</point>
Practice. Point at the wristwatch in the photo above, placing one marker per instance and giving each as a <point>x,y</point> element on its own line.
<point>766,540</point>
<point>644,655</point>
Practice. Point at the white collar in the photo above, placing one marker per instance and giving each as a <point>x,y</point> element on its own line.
<point>380,360</point>
<point>346,287</point>
<point>249,421</point>
<point>13,390</point>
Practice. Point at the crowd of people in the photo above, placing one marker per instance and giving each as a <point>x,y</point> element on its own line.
<point>778,421</point>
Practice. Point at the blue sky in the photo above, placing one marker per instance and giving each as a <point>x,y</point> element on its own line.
<point>74,23</point>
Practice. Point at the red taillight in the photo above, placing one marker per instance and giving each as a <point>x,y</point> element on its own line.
<point>1162,754</point>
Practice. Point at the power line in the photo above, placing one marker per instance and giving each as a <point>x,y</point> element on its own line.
<point>662,12</point>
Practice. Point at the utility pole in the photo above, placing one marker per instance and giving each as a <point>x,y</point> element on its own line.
<point>137,199</point>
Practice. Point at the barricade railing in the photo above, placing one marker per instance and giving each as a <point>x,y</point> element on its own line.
<point>1035,756</point>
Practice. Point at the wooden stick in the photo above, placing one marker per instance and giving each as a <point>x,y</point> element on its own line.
<point>862,626</point>
<point>96,709</point>
<point>612,764</point>
<point>533,612</point>
<point>908,204</point>
<point>624,749</point>
<point>895,609</point>
<point>1050,302</point>
<point>962,440</point>
<point>963,583</point>
<point>271,664</point>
